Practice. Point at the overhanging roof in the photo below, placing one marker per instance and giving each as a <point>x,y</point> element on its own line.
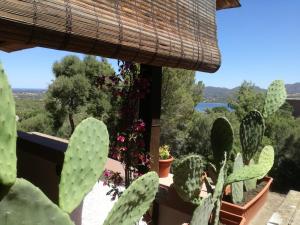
<point>174,33</point>
<point>226,4</point>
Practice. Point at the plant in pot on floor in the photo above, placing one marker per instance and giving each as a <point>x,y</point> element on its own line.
<point>189,179</point>
<point>165,161</point>
<point>249,195</point>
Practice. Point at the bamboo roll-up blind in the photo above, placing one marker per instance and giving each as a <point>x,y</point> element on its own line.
<point>173,33</point>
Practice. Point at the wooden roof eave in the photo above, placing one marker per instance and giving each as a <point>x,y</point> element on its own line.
<point>228,4</point>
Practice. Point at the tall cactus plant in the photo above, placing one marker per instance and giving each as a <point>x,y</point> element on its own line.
<point>23,203</point>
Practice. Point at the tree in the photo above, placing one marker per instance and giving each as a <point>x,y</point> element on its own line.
<point>68,92</point>
<point>65,96</point>
<point>246,99</point>
<point>180,95</point>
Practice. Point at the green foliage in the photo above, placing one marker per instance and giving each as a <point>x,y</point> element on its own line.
<point>221,139</point>
<point>187,172</point>
<point>251,134</point>
<point>26,204</point>
<point>164,152</point>
<point>135,201</point>
<point>75,89</point>
<point>84,162</point>
<point>8,133</point>
<point>259,170</point>
<point>180,95</point>
<point>276,96</point>
<point>237,188</point>
<point>246,99</point>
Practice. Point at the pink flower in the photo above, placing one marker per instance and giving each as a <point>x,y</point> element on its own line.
<point>121,138</point>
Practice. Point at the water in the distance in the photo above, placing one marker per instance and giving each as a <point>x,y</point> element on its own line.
<point>210,105</point>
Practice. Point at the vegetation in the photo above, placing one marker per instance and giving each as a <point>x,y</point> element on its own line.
<point>22,202</point>
<point>184,129</point>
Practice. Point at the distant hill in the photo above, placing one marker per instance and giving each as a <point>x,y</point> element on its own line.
<point>28,93</point>
<point>219,94</point>
<point>293,88</point>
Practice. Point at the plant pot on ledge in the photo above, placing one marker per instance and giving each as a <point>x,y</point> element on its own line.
<point>251,208</point>
<point>164,167</point>
<point>165,161</point>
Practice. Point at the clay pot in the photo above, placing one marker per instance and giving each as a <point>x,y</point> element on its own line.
<point>249,210</point>
<point>164,167</point>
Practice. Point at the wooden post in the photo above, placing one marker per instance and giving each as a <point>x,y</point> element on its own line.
<point>150,108</point>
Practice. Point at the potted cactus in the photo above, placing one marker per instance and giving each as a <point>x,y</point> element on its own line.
<point>23,203</point>
<point>165,161</point>
<point>252,130</point>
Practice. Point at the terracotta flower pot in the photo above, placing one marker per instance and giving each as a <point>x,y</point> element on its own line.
<point>164,167</point>
<point>249,210</point>
<point>231,219</point>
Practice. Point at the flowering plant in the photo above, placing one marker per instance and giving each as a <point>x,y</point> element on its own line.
<point>127,145</point>
<point>164,152</point>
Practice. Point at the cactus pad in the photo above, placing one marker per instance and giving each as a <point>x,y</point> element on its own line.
<point>202,213</point>
<point>250,184</point>
<point>221,139</point>
<point>251,134</point>
<point>220,182</point>
<point>135,201</point>
<point>27,205</point>
<point>8,132</point>
<point>259,170</point>
<point>276,96</point>
<point>237,187</point>
<point>84,162</point>
<point>187,178</point>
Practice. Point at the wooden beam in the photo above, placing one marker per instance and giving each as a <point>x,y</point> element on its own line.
<point>150,110</point>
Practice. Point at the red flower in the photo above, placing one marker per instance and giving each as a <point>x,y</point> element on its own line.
<point>121,138</point>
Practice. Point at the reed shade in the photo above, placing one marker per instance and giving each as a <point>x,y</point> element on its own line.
<point>173,33</point>
<point>226,4</point>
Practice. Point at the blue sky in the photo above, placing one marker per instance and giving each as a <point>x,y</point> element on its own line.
<point>259,42</point>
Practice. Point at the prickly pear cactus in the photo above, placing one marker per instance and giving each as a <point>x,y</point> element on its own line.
<point>27,205</point>
<point>237,191</point>
<point>187,174</point>
<point>84,162</point>
<point>259,170</point>
<point>8,132</point>
<point>276,96</point>
<point>203,212</point>
<point>250,184</point>
<point>221,139</point>
<point>218,193</point>
<point>251,134</point>
<point>221,180</point>
<point>135,201</point>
